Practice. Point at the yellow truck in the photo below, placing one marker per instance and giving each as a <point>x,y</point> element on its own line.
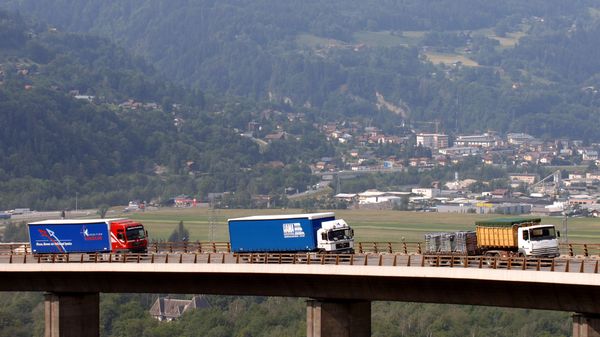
<point>498,237</point>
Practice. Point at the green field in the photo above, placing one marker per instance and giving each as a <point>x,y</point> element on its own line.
<point>447,59</point>
<point>313,41</point>
<point>412,39</point>
<point>371,39</point>
<point>389,39</point>
<point>369,225</point>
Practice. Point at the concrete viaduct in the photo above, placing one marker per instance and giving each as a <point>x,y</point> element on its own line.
<point>340,294</point>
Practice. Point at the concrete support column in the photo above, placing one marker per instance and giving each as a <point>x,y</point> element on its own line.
<point>72,314</point>
<point>338,318</point>
<point>586,325</point>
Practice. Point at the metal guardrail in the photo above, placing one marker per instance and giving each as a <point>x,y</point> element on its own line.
<point>580,249</point>
<point>573,265</point>
<point>388,247</point>
<point>15,248</point>
<point>220,247</point>
<point>189,247</point>
<point>157,247</point>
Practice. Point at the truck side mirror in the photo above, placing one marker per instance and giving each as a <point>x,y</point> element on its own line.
<point>558,234</point>
<point>526,235</point>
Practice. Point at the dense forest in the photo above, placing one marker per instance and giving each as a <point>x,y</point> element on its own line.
<point>527,66</point>
<point>180,141</point>
<point>128,315</point>
<point>172,86</point>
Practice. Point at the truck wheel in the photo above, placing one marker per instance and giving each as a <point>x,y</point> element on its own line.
<point>490,259</point>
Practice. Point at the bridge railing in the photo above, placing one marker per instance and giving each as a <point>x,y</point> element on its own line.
<point>580,249</point>
<point>388,247</point>
<point>189,247</point>
<point>569,264</point>
<point>225,247</point>
<point>15,248</point>
<point>153,247</point>
<point>361,247</point>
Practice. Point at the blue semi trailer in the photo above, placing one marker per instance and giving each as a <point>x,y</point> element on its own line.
<point>87,236</point>
<point>313,232</point>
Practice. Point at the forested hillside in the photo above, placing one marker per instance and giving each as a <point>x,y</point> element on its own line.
<point>509,65</point>
<point>128,316</point>
<point>80,115</point>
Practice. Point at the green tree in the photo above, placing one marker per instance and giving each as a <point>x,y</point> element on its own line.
<point>15,232</point>
<point>102,210</point>
<point>180,234</point>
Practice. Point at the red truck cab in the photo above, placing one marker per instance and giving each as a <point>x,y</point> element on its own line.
<point>128,236</point>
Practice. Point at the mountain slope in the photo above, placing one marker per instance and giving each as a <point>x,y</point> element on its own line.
<point>79,115</point>
<point>336,57</point>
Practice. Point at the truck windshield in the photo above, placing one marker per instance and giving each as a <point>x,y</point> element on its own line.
<point>544,233</point>
<point>135,233</point>
<point>341,234</point>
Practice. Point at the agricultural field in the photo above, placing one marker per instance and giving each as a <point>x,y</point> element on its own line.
<point>389,38</point>
<point>448,59</point>
<point>369,225</point>
<point>369,38</point>
<point>313,41</point>
<point>413,39</point>
<point>510,40</point>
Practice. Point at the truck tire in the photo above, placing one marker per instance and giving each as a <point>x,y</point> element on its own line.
<point>491,259</point>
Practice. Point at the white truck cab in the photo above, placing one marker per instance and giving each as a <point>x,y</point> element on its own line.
<point>335,236</point>
<point>538,241</point>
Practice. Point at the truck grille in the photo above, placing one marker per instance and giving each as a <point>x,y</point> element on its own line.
<point>342,245</point>
<point>549,252</point>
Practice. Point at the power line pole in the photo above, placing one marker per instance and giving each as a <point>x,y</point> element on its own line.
<point>212,221</point>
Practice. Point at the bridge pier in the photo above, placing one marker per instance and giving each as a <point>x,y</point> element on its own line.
<point>586,325</point>
<point>338,318</point>
<point>72,314</point>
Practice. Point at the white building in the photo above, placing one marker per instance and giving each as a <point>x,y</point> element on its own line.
<point>376,197</point>
<point>429,193</point>
<point>484,140</point>
<point>433,141</point>
<point>460,151</point>
<point>519,138</point>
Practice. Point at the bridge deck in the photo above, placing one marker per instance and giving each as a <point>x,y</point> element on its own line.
<point>573,285</point>
<point>565,264</point>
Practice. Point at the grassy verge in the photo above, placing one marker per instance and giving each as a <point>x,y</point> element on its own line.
<point>369,225</point>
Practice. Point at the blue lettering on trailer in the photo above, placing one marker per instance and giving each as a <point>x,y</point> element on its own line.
<point>293,230</point>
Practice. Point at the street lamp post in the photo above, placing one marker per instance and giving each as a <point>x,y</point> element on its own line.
<point>566,229</point>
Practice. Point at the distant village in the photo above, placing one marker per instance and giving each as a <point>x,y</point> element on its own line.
<point>571,188</point>
<point>575,194</point>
